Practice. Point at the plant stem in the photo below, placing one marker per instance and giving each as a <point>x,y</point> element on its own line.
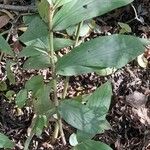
<point>78,33</point>
<point>28,141</point>
<point>66,82</point>
<point>58,125</point>
<point>56,131</point>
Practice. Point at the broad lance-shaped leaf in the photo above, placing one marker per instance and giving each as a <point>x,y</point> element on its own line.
<point>36,38</point>
<point>101,98</point>
<point>91,145</point>
<point>99,102</point>
<point>5,142</point>
<point>113,51</point>
<point>79,10</point>
<point>4,47</point>
<point>88,118</point>
<point>36,29</point>
<point>79,116</point>
<point>21,98</point>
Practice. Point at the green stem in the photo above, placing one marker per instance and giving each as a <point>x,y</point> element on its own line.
<point>66,82</point>
<point>58,125</point>
<point>56,131</point>
<point>78,33</point>
<point>28,141</point>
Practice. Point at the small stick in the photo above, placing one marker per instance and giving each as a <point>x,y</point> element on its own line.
<point>29,8</point>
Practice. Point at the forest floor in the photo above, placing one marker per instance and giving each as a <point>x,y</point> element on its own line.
<point>130,125</point>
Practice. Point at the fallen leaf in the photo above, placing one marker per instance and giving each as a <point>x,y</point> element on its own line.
<point>4,20</point>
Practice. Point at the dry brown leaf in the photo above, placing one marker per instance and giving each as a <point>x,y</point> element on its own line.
<point>142,113</point>
<point>137,99</point>
<point>4,20</point>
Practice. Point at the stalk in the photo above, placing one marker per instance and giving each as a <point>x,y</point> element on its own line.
<point>58,125</point>
<point>28,141</point>
<point>66,82</point>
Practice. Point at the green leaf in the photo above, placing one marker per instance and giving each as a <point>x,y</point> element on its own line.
<point>35,83</point>
<point>5,142</point>
<point>125,28</point>
<point>59,3</point>
<point>41,45</point>
<point>82,136</point>
<point>37,29</point>
<point>3,86</point>
<point>101,98</point>
<point>106,71</point>
<point>41,95</point>
<point>80,116</point>
<point>113,51</point>
<point>10,94</point>
<point>43,7</point>
<point>79,10</point>
<point>27,19</point>
<point>21,98</point>
<point>42,103</point>
<point>40,123</point>
<point>37,62</point>
<point>86,28</point>
<point>4,47</point>
<point>62,43</point>
<point>89,119</point>
<point>92,145</point>
<point>77,115</point>
<point>99,102</point>
<point>10,74</point>
<point>31,51</point>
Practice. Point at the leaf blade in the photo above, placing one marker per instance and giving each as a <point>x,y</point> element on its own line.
<point>113,51</point>
<point>5,142</point>
<point>86,9</point>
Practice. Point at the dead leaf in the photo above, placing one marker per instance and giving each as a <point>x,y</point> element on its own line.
<point>142,113</point>
<point>137,99</point>
<point>4,20</point>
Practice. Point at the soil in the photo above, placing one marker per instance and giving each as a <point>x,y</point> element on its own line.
<point>130,126</point>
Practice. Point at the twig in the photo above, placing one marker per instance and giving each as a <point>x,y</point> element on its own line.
<point>136,14</point>
<point>29,8</point>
